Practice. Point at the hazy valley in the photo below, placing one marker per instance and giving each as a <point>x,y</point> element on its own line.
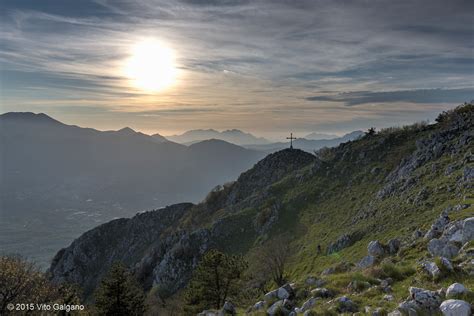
<point>59,180</point>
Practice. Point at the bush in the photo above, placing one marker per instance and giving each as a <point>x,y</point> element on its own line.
<point>22,281</point>
<point>390,270</point>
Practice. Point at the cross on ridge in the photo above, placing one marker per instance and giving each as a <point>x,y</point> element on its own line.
<point>291,140</point>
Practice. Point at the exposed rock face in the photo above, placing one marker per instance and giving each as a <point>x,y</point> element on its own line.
<point>375,249</point>
<point>438,226</point>
<point>366,262</point>
<point>344,241</point>
<point>455,308</point>
<point>428,149</point>
<point>424,299</point>
<point>451,236</point>
<point>175,267</point>
<point>90,256</point>
<point>439,248</point>
<point>267,171</point>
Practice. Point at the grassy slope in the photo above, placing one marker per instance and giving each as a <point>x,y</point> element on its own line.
<point>318,206</point>
<point>321,220</point>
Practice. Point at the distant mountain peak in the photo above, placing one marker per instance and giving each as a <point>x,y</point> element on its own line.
<point>319,136</point>
<point>234,136</point>
<point>29,117</point>
<point>159,138</point>
<point>126,130</point>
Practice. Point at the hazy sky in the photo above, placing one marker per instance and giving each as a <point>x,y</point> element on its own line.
<point>268,67</point>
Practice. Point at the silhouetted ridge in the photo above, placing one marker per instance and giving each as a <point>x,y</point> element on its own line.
<point>28,117</point>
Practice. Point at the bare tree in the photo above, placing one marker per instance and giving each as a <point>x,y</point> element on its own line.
<point>272,259</point>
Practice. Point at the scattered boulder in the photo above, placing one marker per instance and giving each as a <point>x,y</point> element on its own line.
<point>271,295</point>
<point>358,286</point>
<point>408,307</point>
<point>315,282</point>
<point>441,248</point>
<point>431,268</point>
<point>393,246</point>
<point>306,305</point>
<point>453,232</point>
<point>277,309</point>
<point>285,292</point>
<point>311,280</point>
<point>322,293</point>
<point>228,309</point>
<point>366,262</point>
<point>346,305</point>
<point>455,289</point>
<point>446,264</point>
<point>455,308</point>
<point>258,306</point>
<point>468,230</point>
<point>417,234</point>
<point>425,299</point>
<point>388,297</point>
<point>438,226</point>
<point>375,249</point>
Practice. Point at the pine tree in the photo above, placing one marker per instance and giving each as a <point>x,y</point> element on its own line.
<point>214,281</point>
<point>119,293</point>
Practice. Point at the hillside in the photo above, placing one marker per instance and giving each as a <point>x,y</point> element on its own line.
<point>73,178</point>
<point>357,220</point>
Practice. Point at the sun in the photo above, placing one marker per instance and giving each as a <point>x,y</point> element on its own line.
<point>151,66</point>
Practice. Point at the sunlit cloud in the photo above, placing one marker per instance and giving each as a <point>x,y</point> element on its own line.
<point>239,61</point>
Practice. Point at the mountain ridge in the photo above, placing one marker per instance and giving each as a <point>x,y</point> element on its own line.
<point>234,136</point>
<point>323,201</point>
<point>78,177</point>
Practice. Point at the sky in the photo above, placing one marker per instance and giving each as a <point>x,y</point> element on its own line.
<point>269,67</point>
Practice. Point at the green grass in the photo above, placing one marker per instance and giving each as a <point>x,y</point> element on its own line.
<point>331,202</point>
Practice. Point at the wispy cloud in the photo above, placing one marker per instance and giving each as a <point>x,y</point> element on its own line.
<point>247,60</point>
<point>412,96</point>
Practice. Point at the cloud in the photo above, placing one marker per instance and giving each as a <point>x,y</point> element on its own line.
<point>411,96</point>
<point>264,56</point>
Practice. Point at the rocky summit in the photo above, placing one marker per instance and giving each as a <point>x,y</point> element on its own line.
<point>382,225</point>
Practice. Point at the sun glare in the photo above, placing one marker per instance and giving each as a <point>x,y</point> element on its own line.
<point>151,66</point>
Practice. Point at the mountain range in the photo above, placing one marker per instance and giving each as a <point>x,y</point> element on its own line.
<point>309,145</point>
<point>318,136</point>
<point>73,178</point>
<point>233,136</point>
